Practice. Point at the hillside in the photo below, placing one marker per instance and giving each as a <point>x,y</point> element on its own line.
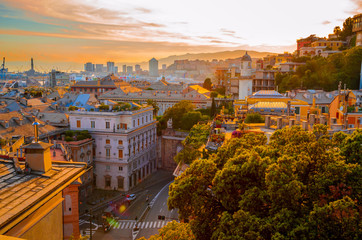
<point>202,56</point>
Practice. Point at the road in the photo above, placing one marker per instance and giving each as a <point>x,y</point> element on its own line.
<point>158,208</point>
<point>125,214</point>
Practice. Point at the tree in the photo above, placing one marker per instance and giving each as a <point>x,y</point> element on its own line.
<point>347,29</point>
<point>337,31</point>
<point>207,84</point>
<point>214,94</point>
<point>213,108</point>
<point>173,230</point>
<point>177,111</point>
<point>153,103</point>
<point>189,119</point>
<point>299,186</point>
<point>254,118</point>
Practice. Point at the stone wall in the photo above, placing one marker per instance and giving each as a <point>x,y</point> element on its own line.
<point>170,146</point>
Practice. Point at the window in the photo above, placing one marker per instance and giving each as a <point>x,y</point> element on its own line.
<point>120,142</point>
<point>108,125</point>
<point>108,181</point>
<point>120,182</point>
<point>142,120</point>
<point>108,141</point>
<point>146,118</point>
<point>108,168</point>
<point>120,168</point>
<point>108,152</point>
<point>134,123</point>
<point>78,124</point>
<point>120,153</point>
<point>138,122</point>
<point>93,124</point>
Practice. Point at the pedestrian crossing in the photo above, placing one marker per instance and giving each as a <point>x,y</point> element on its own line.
<point>140,225</point>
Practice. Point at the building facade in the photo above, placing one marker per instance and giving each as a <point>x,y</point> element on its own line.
<point>153,67</point>
<point>125,145</point>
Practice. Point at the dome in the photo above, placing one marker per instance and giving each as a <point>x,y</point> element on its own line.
<point>246,57</point>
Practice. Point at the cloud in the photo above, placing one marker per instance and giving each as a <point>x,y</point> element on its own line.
<point>143,10</point>
<point>358,7</point>
<point>326,22</point>
<point>230,33</point>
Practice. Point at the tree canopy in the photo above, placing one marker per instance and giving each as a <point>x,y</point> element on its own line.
<point>207,84</point>
<point>183,116</point>
<point>324,73</point>
<point>302,185</point>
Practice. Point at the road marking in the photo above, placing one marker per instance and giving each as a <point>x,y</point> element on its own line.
<point>147,224</point>
<point>163,204</point>
<point>159,224</point>
<point>142,224</point>
<point>128,224</point>
<point>161,210</point>
<point>118,225</point>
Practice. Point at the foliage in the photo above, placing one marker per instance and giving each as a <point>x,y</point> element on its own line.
<point>103,107</point>
<point>302,185</point>
<point>183,116</point>
<point>153,103</point>
<point>2,142</point>
<point>324,73</point>
<point>214,94</point>
<point>207,84</point>
<point>213,108</point>
<point>121,106</point>
<point>72,108</point>
<point>221,90</point>
<point>177,111</point>
<point>198,136</point>
<point>173,230</point>
<point>254,118</point>
<point>76,135</point>
<point>189,119</point>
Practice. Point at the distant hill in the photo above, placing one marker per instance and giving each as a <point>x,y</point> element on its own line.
<point>202,56</point>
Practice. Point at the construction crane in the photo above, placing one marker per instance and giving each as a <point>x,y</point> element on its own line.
<point>3,70</point>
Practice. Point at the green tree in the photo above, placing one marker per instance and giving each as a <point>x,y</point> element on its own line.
<point>173,230</point>
<point>153,103</point>
<point>189,119</point>
<point>177,111</point>
<point>291,188</point>
<point>347,29</point>
<point>337,31</point>
<point>254,118</point>
<point>207,84</point>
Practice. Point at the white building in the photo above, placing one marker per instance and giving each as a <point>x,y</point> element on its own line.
<point>246,78</point>
<point>125,145</point>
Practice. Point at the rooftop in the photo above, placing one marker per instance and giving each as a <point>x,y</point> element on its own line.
<point>20,192</point>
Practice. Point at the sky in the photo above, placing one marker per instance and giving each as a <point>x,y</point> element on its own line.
<point>64,34</point>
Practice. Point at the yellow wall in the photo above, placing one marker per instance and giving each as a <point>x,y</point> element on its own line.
<point>334,45</point>
<point>45,223</point>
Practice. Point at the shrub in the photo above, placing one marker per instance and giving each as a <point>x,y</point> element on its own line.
<point>254,118</point>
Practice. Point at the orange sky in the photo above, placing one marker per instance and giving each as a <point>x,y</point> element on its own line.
<point>67,33</point>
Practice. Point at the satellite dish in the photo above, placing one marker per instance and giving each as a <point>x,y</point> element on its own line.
<point>341,108</point>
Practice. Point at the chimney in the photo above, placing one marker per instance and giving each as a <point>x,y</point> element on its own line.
<point>37,153</point>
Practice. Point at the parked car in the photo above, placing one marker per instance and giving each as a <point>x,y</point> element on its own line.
<point>131,197</point>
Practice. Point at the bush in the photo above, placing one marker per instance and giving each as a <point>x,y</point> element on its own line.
<point>68,139</point>
<point>254,118</point>
<point>69,133</point>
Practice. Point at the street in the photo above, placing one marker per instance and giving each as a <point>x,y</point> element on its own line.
<point>125,213</point>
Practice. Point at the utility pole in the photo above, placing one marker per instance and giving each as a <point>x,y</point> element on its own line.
<point>90,224</point>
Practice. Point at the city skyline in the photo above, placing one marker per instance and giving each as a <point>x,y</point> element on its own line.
<point>66,34</point>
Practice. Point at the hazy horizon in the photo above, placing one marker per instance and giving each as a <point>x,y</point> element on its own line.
<point>65,34</point>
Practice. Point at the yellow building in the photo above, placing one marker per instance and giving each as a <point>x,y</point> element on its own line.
<point>31,201</point>
<point>273,103</point>
<point>333,45</point>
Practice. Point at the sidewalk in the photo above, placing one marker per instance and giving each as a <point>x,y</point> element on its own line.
<point>100,197</point>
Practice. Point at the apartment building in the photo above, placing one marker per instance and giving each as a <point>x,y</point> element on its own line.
<point>125,145</point>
